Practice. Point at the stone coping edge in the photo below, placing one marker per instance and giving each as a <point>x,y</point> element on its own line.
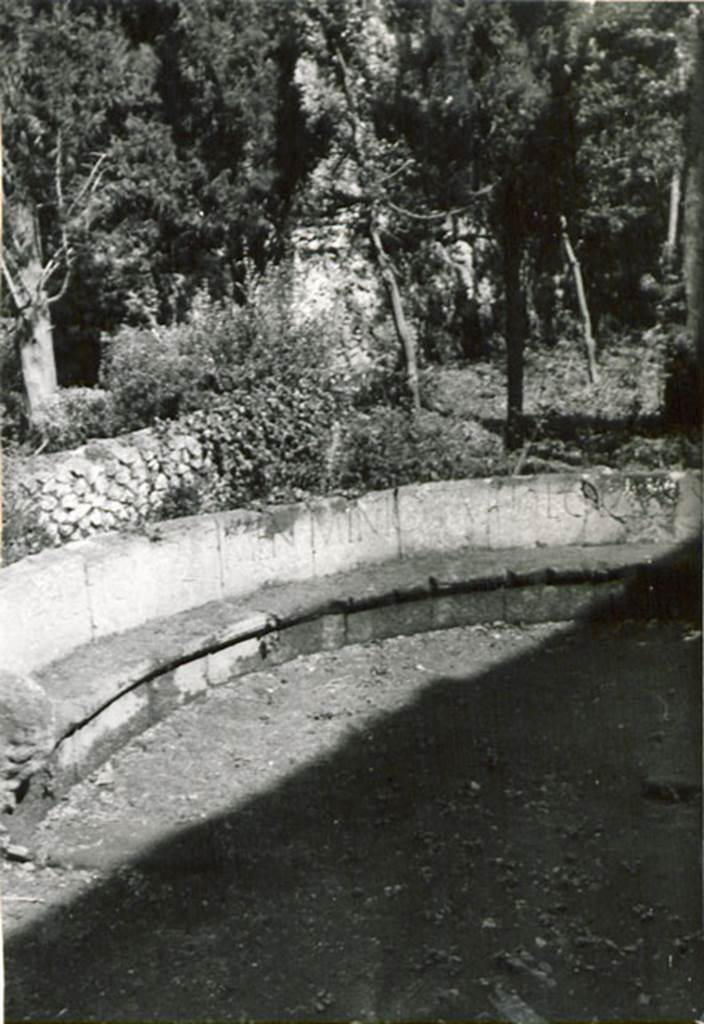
<point>259,625</point>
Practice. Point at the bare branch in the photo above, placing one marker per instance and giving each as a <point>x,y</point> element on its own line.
<point>58,173</point>
<point>51,299</point>
<point>399,170</point>
<point>353,115</point>
<point>441,215</point>
<point>344,81</point>
<point>12,285</point>
<point>589,343</point>
<point>65,255</point>
<point>50,269</point>
<point>90,184</point>
<point>416,216</point>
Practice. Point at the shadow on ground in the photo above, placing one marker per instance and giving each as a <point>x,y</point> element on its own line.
<point>524,838</point>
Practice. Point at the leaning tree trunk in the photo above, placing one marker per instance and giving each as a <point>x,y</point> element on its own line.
<point>673,219</point>
<point>403,331</point>
<point>589,343</point>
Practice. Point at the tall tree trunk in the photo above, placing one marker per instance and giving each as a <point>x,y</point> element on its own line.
<point>694,209</point>
<point>515,336</point>
<point>466,320</point>
<point>589,343</point>
<point>37,356</point>
<point>28,284</point>
<point>403,331</point>
<point>676,183</point>
<point>684,383</point>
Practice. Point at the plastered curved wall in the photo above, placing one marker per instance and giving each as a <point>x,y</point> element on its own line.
<point>55,601</point>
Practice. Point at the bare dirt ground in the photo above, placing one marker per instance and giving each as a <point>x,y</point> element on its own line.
<point>489,823</point>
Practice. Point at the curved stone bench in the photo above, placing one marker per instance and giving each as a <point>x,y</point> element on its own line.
<point>119,631</point>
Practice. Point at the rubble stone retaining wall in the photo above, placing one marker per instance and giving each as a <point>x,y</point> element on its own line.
<point>108,485</point>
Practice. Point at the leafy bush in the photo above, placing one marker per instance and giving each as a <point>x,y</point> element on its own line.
<point>73,416</point>
<point>223,348</point>
<point>683,398</point>
<point>387,447</point>
<point>193,499</point>
<point>268,440</point>
<point>12,406</point>
<point>144,374</point>
<point>673,452</point>
<point>22,533</point>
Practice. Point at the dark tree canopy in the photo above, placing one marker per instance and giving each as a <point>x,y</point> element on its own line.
<point>154,148</point>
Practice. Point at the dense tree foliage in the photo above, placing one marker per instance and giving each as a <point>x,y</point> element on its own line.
<point>157,148</point>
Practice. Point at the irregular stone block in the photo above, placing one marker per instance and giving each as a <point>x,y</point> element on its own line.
<point>77,514</point>
<point>51,528</point>
<point>123,477</point>
<point>126,456</point>
<point>93,473</point>
<point>56,488</point>
<point>78,467</point>
<point>27,732</point>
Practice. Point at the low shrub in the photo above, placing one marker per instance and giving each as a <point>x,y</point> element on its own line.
<point>145,375</point>
<point>22,533</point>
<point>223,348</point>
<point>73,416</point>
<point>675,451</point>
<point>683,397</point>
<point>194,499</point>
<point>269,440</point>
<point>12,401</point>
<point>386,447</point>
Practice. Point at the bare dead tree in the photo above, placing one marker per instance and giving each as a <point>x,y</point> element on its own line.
<point>589,343</point>
<point>31,278</point>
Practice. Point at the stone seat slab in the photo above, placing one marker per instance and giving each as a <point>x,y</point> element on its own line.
<point>95,674</point>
